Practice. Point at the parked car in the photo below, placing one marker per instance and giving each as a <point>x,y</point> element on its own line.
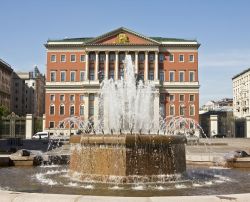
<point>41,135</point>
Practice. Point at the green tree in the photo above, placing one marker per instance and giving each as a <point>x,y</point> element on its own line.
<point>3,111</point>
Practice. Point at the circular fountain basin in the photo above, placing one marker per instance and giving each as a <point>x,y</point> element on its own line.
<point>127,158</point>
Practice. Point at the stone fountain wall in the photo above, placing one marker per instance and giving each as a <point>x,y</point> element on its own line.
<point>100,157</point>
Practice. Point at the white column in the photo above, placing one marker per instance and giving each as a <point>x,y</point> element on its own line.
<point>87,66</point>
<point>86,106</point>
<point>156,110</point>
<point>213,125</point>
<point>96,65</point>
<point>29,126</point>
<point>247,127</point>
<point>96,108</point>
<point>156,67</point>
<point>44,121</point>
<point>106,65</point>
<point>146,66</point>
<point>116,65</point>
<point>136,62</point>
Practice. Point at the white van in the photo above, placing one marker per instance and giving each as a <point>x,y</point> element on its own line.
<point>41,135</point>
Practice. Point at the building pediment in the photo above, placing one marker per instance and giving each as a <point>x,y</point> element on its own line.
<point>122,36</point>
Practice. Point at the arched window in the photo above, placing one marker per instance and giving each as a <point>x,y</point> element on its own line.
<point>171,110</point>
<point>72,110</point>
<point>52,110</point>
<point>62,109</point>
<point>81,110</point>
<point>182,110</point>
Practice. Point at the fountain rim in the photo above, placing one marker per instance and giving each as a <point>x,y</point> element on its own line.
<point>127,139</point>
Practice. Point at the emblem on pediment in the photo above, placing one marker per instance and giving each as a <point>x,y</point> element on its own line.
<point>122,38</point>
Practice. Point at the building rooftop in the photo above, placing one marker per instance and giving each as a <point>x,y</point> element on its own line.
<point>241,73</point>
<point>5,65</point>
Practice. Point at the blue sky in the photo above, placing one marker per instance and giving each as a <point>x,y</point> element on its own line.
<point>221,26</point>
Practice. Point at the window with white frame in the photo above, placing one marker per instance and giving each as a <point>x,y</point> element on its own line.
<point>82,58</point>
<point>81,98</point>
<point>81,110</point>
<point>181,58</point>
<point>73,58</point>
<point>72,98</point>
<point>191,58</point>
<point>171,110</point>
<point>151,75</point>
<point>182,110</point>
<point>161,57</point>
<point>63,58</point>
<point>52,110</point>
<point>52,76</point>
<point>171,97</point>
<point>53,58</point>
<point>62,110</point>
<point>181,98</point>
<point>72,110</point>
<point>181,76</point>
<point>191,110</point>
<point>72,76</point>
<point>171,57</point>
<point>191,98</point>
<point>62,98</point>
<point>171,76</point>
<point>63,76</point>
<point>161,75</point>
<point>52,97</point>
<point>191,76</point>
<point>82,75</point>
<point>51,124</point>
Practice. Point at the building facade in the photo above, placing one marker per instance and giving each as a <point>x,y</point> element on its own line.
<point>241,94</point>
<point>76,67</point>
<point>28,93</point>
<point>5,84</point>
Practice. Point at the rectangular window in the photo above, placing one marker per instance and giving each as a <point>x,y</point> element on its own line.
<point>51,124</point>
<point>92,74</point>
<point>182,110</point>
<point>141,57</point>
<point>171,58</point>
<point>111,74</point>
<point>61,109</point>
<point>162,97</point>
<point>191,76</point>
<point>53,76</point>
<point>121,57</point>
<point>63,76</point>
<point>162,76</point>
<point>52,97</point>
<point>72,58</point>
<point>91,97</point>
<point>102,57</point>
<point>72,110</point>
<point>82,75</point>
<point>81,110</point>
<point>63,58</point>
<point>171,98</point>
<point>191,110</point>
<point>151,75</point>
<point>191,58</point>
<point>181,98</point>
<point>112,57</point>
<point>171,76</point>
<point>171,110</point>
<point>72,98</point>
<point>53,58</point>
<point>82,58</point>
<point>151,57</point>
<point>181,58</point>
<point>191,98</point>
<point>92,57</point>
<point>52,110</point>
<point>181,76</point>
<point>81,98</point>
<point>161,57</point>
<point>72,76</point>
<point>62,98</point>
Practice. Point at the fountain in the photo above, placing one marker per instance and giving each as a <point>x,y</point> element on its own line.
<point>128,143</point>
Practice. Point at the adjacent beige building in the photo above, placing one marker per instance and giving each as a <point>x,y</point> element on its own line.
<point>5,84</point>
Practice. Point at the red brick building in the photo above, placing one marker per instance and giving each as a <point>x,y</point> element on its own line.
<point>76,66</point>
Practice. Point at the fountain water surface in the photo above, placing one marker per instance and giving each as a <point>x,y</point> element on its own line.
<point>128,144</point>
